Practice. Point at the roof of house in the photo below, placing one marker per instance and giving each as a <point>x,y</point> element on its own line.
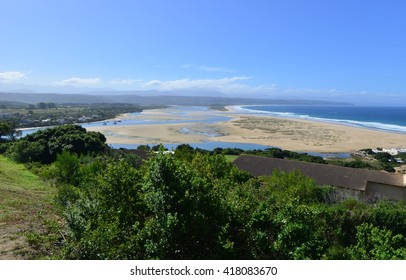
<point>323,174</point>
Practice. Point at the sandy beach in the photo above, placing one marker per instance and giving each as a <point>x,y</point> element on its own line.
<point>171,125</point>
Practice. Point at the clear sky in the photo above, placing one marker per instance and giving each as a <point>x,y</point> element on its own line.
<point>312,49</point>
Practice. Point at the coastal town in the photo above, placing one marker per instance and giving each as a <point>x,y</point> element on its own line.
<point>43,114</point>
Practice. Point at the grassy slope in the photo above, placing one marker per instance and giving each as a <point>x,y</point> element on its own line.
<point>26,213</point>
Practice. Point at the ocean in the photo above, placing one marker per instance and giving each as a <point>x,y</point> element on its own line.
<point>392,119</point>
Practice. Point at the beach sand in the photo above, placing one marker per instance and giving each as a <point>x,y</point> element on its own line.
<point>290,134</point>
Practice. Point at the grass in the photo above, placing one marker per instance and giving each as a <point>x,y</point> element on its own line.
<point>26,210</point>
<point>231,158</point>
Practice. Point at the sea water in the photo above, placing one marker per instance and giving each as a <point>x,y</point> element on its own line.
<point>391,119</point>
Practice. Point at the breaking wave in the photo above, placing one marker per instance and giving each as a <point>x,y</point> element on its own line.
<point>355,123</point>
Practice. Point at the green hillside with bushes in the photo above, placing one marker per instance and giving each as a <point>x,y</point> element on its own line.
<point>189,204</point>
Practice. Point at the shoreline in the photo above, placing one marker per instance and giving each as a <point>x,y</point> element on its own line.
<point>287,133</point>
<point>374,126</point>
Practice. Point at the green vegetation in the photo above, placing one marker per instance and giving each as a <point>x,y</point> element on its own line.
<point>192,204</point>
<point>218,107</point>
<point>285,154</point>
<point>384,160</point>
<point>28,219</point>
<point>402,156</point>
<point>185,150</point>
<point>355,163</point>
<point>231,158</point>
<point>47,114</point>
<point>8,130</point>
<point>204,208</point>
<point>44,145</point>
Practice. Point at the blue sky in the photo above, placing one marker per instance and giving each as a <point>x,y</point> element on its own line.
<point>348,50</point>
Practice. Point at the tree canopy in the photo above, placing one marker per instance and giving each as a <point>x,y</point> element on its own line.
<point>8,129</point>
<point>44,145</point>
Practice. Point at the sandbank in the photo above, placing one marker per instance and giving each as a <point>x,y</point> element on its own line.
<point>290,134</point>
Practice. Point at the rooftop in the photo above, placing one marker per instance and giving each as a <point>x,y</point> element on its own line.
<point>323,174</point>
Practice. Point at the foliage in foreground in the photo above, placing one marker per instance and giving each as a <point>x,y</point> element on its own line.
<point>204,208</point>
<point>196,205</point>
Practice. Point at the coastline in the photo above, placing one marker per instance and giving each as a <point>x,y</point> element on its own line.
<point>286,133</point>
<point>377,124</point>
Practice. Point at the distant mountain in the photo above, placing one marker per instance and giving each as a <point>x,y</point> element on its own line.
<point>153,99</point>
<point>51,97</point>
<point>11,104</point>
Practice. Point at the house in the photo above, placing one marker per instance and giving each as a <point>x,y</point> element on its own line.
<point>372,184</point>
<point>4,115</point>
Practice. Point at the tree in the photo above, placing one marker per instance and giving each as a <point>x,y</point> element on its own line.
<point>184,151</point>
<point>188,219</point>
<point>72,138</point>
<point>144,148</point>
<point>5,128</point>
<point>67,166</point>
<point>9,130</point>
<point>105,221</point>
<point>42,105</point>
<point>25,151</point>
<point>384,157</point>
<point>374,243</point>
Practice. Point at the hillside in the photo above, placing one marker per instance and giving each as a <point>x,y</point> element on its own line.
<point>26,212</point>
<point>191,205</point>
<point>134,98</point>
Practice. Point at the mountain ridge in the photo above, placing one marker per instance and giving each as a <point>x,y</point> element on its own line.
<point>154,99</point>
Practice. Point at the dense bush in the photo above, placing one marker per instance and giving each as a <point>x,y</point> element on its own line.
<point>26,151</point>
<point>402,156</point>
<point>202,207</point>
<point>8,129</point>
<point>44,145</point>
<point>377,244</point>
<point>166,210</point>
<point>285,154</point>
<point>196,205</point>
<point>353,164</point>
<point>384,157</point>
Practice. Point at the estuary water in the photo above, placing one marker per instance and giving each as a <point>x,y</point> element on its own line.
<point>175,115</point>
